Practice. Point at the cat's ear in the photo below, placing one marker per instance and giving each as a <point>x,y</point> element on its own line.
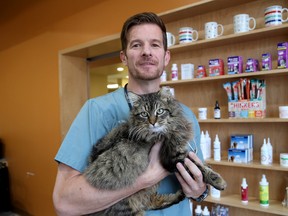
<point>133,97</point>
<point>166,93</point>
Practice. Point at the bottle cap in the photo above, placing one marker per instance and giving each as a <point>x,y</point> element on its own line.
<point>244,183</point>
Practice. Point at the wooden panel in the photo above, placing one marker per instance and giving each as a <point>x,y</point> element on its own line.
<point>73,88</point>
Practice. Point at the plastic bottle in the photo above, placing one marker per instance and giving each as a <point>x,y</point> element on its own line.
<point>203,145</point>
<point>164,76</point>
<point>244,191</point>
<point>174,72</point>
<point>217,111</point>
<point>264,191</point>
<point>208,144</point>
<point>217,149</point>
<point>205,211</point>
<point>198,211</point>
<point>214,192</point>
<point>270,151</point>
<point>264,154</point>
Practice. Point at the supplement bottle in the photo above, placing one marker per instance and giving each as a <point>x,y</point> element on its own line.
<point>174,72</point>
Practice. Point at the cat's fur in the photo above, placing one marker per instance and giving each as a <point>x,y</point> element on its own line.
<point>121,156</point>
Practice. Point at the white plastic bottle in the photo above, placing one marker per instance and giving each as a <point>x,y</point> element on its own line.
<point>208,144</point>
<point>198,211</point>
<point>264,191</point>
<point>203,145</point>
<point>214,192</point>
<point>270,151</point>
<point>164,76</point>
<point>174,72</point>
<point>264,154</point>
<point>217,149</point>
<point>205,211</point>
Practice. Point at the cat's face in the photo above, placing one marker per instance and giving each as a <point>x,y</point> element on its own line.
<point>151,115</point>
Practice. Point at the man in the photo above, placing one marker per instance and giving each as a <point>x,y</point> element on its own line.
<point>144,52</point>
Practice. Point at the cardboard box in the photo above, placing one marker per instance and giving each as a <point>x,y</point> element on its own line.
<point>235,65</point>
<point>238,155</point>
<point>216,67</point>
<point>282,49</point>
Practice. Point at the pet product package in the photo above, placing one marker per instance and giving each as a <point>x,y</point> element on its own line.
<point>216,67</point>
<point>252,65</point>
<point>266,62</point>
<point>201,71</point>
<point>282,50</point>
<point>235,64</point>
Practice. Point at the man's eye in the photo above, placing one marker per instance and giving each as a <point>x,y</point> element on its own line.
<point>156,45</point>
<point>136,45</point>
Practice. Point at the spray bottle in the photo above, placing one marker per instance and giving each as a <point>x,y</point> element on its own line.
<point>264,191</point>
<point>208,144</point>
<point>203,145</point>
<point>270,151</point>
<point>264,154</point>
<point>244,191</point>
<point>217,149</point>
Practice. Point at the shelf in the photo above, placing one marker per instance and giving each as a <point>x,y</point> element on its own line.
<point>251,165</point>
<point>231,39</point>
<point>245,120</point>
<point>262,74</point>
<point>198,8</point>
<point>275,207</point>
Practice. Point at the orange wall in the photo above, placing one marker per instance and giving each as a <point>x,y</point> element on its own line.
<point>29,89</point>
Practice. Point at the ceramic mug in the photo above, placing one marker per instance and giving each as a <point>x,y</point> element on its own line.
<point>242,23</point>
<point>274,15</point>
<point>212,30</point>
<point>170,39</point>
<point>187,34</point>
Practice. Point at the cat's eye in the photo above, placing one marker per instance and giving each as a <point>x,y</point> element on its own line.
<point>144,114</point>
<point>160,111</point>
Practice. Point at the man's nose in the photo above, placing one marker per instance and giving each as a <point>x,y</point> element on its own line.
<point>146,50</point>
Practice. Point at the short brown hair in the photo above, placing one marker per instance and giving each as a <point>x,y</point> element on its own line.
<point>141,18</point>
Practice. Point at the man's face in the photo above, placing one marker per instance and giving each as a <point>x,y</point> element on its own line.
<point>145,56</point>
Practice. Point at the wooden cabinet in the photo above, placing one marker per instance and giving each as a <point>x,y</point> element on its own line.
<point>203,92</point>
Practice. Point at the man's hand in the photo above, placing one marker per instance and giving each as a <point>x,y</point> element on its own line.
<point>192,187</point>
<point>154,172</point>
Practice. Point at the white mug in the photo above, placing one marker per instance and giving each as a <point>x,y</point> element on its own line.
<point>187,34</point>
<point>170,39</point>
<point>211,30</point>
<point>274,15</point>
<point>242,23</point>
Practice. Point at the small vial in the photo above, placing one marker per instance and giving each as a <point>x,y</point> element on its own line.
<point>217,111</point>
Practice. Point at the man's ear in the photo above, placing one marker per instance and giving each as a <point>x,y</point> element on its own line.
<point>123,58</point>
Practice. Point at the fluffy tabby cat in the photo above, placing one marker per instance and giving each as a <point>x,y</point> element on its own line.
<point>122,155</point>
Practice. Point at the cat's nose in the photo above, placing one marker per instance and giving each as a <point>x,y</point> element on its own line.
<point>152,121</point>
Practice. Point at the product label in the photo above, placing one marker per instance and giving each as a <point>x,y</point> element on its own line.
<point>264,195</point>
